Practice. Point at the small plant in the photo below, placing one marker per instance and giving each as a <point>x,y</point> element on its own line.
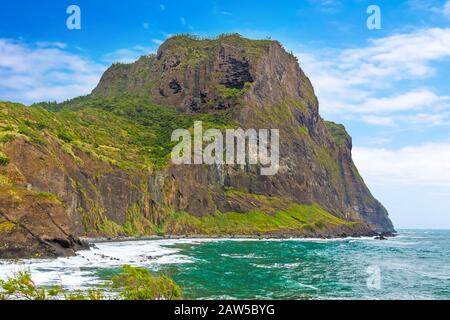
<point>228,93</point>
<point>50,196</point>
<point>79,295</point>
<point>140,284</point>
<point>4,159</point>
<point>31,134</point>
<point>22,287</point>
<point>7,227</point>
<point>64,136</point>
<point>6,137</point>
<point>4,181</point>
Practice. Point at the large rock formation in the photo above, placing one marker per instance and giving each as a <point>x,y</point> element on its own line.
<point>105,156</point>
<point>266,89</point>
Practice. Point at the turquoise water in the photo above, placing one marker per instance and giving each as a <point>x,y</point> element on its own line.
<point>415,265</point>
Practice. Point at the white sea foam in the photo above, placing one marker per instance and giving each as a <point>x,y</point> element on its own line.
<point>81,271</point>
<point>405,260</point>
<point>307,286</point>
<point>241,256</point>
<point>277,265</point>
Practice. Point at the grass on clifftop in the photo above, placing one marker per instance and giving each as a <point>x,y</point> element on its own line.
<point>338,132</point>
<point>195,48</point>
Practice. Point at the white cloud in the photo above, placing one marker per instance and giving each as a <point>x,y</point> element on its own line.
<point>405,56</point>
<point>379,141</point>
<point>186,24</point>
<point>354,81</point>
<point>413,100</point>
<point>435,7</point>
<point>157,41</point>
<point>415,166</point>
<point>335,88</point>
<point>327,6</point>
<point>44,71</point>
<point>45,44</point>
<point>379,121</point>
<point>446,9</point>
<point>415,120</point>
<point>128,55</point>
<point>431,119</point>
<point>399,56</point>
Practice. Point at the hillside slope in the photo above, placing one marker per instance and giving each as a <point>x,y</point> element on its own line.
<point>105,157</point>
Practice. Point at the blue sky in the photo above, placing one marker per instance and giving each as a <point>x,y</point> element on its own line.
<point>390,87</point>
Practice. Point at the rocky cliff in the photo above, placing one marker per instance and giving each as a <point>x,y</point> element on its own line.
<point>104,158</point>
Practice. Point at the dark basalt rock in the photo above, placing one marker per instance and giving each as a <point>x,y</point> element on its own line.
<point>384,236</point>
<point>237,75</point>
<point>38,229</point>
<point>175,86</point>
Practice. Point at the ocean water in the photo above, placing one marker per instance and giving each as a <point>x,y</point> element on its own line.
<point>414,265</point>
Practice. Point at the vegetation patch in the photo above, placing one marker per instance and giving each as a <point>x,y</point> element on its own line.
<point>129,132</point>
<point>140,284</point>
<point>136,224</point>
<point>4,159</point>
<point>49,196</point>
<point>4,181</point>
<point>338,132</point>
<point>8,136</point>
<point>196,49</point>
<point>296,217</point>
<point>33,136</point>
<point>130,284</point>
<point>7,227</point>
<point>229,93</point>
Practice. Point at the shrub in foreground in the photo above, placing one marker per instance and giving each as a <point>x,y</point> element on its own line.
<point>130,284</point>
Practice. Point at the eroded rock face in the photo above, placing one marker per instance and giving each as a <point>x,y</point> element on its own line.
<point>196,78</point>
<point>260,84</point>
<point>266,89</point>
<point>34,225</point>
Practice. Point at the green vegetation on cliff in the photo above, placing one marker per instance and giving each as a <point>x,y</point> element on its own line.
<point>195,49</point>
<point>134,133</point>
<point>294,220</point>
<point>129,132</point>
<point>338,132</point>
<point>274,216</point>
<point>4,159</point>
<point>7,226</point>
